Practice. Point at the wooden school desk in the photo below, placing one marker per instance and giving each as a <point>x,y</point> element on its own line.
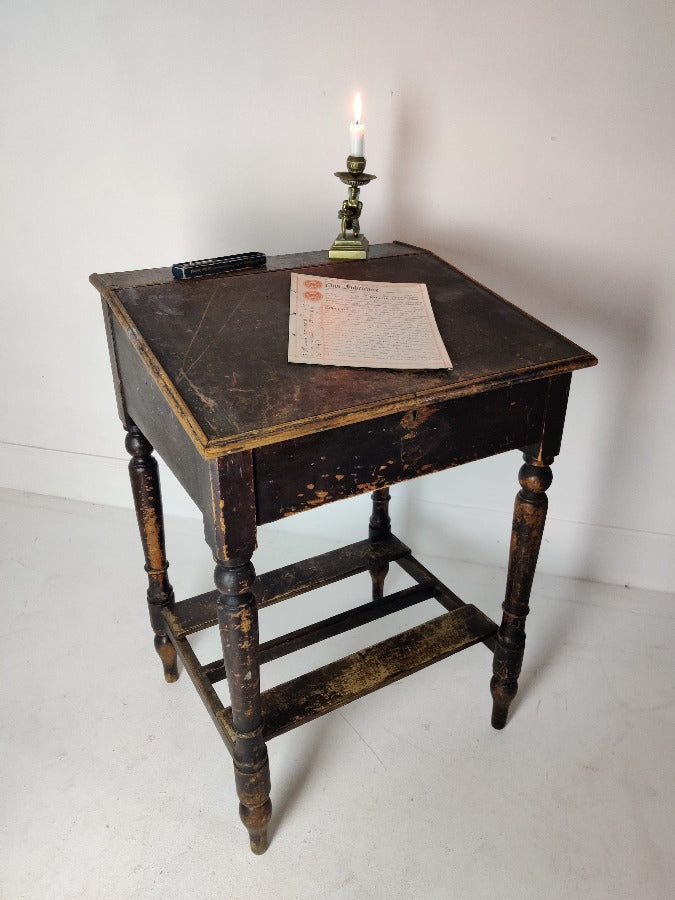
<point>201,374</point>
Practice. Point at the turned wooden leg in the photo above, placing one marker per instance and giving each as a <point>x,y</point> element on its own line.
<point>238,621</point>
<point>144,476</point>
<point>529,515</point>
<point>379,527</point>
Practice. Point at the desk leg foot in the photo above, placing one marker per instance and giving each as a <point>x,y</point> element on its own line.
<point>529,516</point>
<point>144,477</point>
<point>256,821</point>
<point>238,621</point>
<point>167,653</point>
<point>379,527</point>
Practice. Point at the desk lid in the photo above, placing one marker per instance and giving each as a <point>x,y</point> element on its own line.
<point>217,347</point>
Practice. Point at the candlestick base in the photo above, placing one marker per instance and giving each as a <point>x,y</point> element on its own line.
<point>349,247</point>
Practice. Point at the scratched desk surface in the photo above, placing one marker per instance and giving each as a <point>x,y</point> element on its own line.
<point>218,345</point>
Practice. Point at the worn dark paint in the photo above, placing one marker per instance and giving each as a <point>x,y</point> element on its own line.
<point>238,622</point>
<point>200,373</point>
<point>334,625</point>
<point>109,321</point>
<point>231,528</point>
<point>379,529</point>
<point>144,477</point>
<point>297,578</point>
<point>315,469</point>
<point>199,678</point>
<point>146,405</point>
<point>447,598</point>
<point>548,445</point>
<point>529,516</point>
<point>196,337</point>
<point>316,693</point>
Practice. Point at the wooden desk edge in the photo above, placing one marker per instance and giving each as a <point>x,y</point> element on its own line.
<point>211,449</point>
<point>163,274</point>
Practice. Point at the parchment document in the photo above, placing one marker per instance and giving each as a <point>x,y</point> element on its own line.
<point>370,324</point>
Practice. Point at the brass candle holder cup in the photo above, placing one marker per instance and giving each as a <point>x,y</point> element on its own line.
<point>350,243</point>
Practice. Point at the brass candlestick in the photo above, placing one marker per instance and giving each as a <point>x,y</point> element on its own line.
<point>350,243</point>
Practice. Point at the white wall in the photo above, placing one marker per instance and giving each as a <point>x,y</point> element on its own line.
<point>529,143</point>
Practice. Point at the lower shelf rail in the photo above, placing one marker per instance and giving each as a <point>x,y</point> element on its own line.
<point>318,692</point>
<point>309,696</point>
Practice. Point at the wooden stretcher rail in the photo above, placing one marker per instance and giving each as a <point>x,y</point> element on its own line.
<point>205,689</point>
<point>327,628</point>
<point>447,598</point>
<point>318,692</point>
<point>200,612</point>
<point>309,696</point>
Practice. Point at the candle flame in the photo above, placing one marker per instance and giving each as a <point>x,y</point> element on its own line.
<point>358,108</point>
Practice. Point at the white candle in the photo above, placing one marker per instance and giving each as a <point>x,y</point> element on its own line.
<point>357,129</point>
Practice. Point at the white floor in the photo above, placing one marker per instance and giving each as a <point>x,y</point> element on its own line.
<point>115,784</point>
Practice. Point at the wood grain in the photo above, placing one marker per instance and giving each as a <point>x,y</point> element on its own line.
<point>195,339</point>
<point>304,698</point>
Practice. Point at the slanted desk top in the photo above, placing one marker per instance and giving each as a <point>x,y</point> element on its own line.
<point>217,347</point>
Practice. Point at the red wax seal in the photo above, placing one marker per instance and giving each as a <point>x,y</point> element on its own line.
<point>312,283</point>
<point>313,295</point>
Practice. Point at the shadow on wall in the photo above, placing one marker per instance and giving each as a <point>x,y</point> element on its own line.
<point>608,303</point>
<point>610,312</point>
